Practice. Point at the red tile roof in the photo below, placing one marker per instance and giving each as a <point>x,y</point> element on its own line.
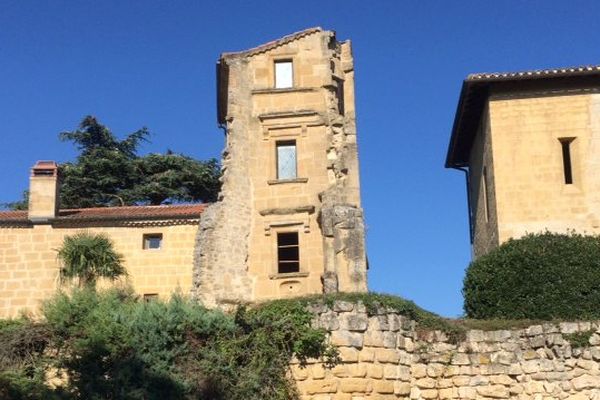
<point>179,211</point>
<point>537,73</point>
<point>273,44</point>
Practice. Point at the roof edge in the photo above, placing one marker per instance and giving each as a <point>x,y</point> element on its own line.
<point>272,44</point>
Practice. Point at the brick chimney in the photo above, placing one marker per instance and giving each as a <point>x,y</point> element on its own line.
<point>43,191</point>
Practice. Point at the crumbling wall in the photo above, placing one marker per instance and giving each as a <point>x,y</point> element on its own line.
<point>220,274</point>
<point>341,216</point>
<point>385,356</point>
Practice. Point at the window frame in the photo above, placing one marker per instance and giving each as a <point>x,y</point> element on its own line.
<point>283,143</point>
<point>279,246</point>
<point>567,159</point>
<point>147,237</point>
<point>282,61</point>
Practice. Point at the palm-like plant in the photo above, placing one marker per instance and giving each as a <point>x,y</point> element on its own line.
<point>88,257</point>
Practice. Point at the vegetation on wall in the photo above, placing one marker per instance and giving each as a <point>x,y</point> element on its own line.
<point>110,172</point>
<point>540,276</point>
<point>111,345</point>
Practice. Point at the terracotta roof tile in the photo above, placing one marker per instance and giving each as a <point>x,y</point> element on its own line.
<point>537,73</point>
<point>178,211</point>
<point>273,44</point>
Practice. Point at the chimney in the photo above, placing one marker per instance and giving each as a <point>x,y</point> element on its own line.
<point>43,191</point>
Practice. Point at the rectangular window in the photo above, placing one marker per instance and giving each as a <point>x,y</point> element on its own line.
<point>153,241</point>
<point>148,297</point>
<point>286,160</point>
<point>565,144</point>
<point>284,74</point>
<point>288,252</point>
<point>340,95</point>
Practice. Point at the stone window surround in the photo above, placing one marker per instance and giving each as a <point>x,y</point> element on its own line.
<point>147,237</point>
<point>282,226</point>
<point>282,57</point>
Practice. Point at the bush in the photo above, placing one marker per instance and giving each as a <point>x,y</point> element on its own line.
<point>111,345</point>
<point>540,276</point>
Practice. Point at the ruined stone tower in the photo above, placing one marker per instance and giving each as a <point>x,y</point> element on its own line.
<point>288,220</point>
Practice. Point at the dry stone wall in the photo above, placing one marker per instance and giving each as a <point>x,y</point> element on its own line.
<point>386,356</point>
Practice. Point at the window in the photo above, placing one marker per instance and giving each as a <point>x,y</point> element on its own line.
<point>340,95</point>
<point>565,143</point>
<point>153,241</point>
<point>148,297</point>
<point>284,74</point>
<point>288,252</point>
<point>286,160</point>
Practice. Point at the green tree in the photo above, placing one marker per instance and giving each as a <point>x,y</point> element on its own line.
<point>109,172</point>
<point>88,257</point>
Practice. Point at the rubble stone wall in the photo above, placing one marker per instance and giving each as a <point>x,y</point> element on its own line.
<point>386,356</point>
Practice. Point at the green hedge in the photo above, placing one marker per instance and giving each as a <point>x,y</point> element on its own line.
<point>540,276</point>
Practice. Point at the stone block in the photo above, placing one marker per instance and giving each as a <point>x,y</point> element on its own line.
<point>349,339</point>
<point>494,391</point>
<point>356,385</point>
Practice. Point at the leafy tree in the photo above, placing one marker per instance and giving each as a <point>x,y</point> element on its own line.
<point>174,177</point>
<point>21,205</point>
<point>88,257</point>
<point>109,172</point>
<point>540,276</point>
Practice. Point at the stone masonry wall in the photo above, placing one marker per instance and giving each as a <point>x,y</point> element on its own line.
<point>385,356</point>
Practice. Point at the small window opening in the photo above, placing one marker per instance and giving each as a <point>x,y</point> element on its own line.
<point>153,241</point>
<point>565,143</point>
<point>148,297</point>
<point>288,252</point>
<point>284,74</point>
<point>340,95</point>
<point>286,160</point>
<point>486,197</point>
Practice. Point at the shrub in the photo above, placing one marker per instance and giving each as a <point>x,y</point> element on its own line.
<point>111,345</point>
<point>540,276</point>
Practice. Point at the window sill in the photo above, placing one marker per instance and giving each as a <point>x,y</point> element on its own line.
<point>284,90</point>
<point>289,275</point>
<point>281,181</point>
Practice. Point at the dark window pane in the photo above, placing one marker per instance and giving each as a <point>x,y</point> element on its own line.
<point>287,239</point>
<point>286,268</point>
<point>288,253</point>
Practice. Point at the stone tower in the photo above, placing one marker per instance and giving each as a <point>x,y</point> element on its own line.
<point>288,221</point>
<point>530,144</point>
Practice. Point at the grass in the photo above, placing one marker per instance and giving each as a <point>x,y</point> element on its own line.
<point>426,321</point>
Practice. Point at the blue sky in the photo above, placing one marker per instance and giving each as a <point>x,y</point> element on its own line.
<point>151,63</point>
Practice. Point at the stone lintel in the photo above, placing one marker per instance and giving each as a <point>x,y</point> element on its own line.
<point>285,90</point>
<point>287,114</point>
<point>287,210</point>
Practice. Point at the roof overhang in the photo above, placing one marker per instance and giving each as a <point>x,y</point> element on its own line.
<point>477,88</point>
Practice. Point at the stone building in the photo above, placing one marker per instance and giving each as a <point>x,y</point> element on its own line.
<point>156,242</point>
<point>529,143</point>
<point>288,220</point>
